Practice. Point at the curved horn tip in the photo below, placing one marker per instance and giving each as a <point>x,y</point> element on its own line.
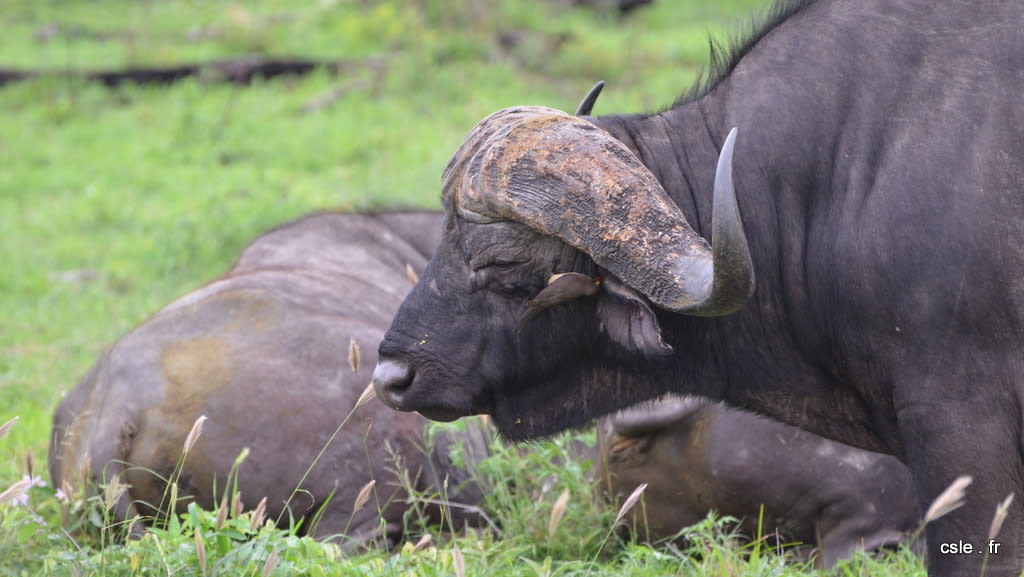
<point>587,104</point>
<point>734,282</point>
<point>724,189</point>
<point>725,156</point>
<point>731,270</point>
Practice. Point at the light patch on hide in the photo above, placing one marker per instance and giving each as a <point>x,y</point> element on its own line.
<point>859,460</point>
<point>193,369</point>
<point>825,450</point>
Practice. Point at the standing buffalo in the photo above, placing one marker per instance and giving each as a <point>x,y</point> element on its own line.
<point>697,456</point>
<point>263,352</point>
<point>878,172</point>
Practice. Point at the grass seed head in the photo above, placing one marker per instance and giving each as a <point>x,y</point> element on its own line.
<point>112,492</point>
<point>460,564</point>
<point>7,426</point>
<point>630,502</point>
<point>258,514</point>
<point>558,511</point>
<point>1002,510</point>
<point>242,456</point>
<point>363,496</point>
<point>368,395</point>
<point>16,491</point>
<point>173,498</point>
<point>200,550</point>
<point>30,463</point>
<point>193,435</point>
<point>85,469</point>
<point>67,489</point>
<point>353,355</point>
<point>271,563</point>
<point>236,505</point>
<point>425,541</point>
<point>222,514</point>
<point>949,500</point>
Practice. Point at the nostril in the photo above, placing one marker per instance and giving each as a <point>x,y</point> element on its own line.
<point>390,380</point>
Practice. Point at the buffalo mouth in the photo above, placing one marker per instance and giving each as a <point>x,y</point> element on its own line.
<point>397,385</point>
<point>441,414</point>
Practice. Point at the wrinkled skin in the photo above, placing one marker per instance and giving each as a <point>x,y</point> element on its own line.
<point>263,352</point>
<point>697,456</point>
<point>878,176</point>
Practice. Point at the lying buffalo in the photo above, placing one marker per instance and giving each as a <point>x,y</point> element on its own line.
<point>263,352</point>
<point>697,456</point>
<point>878,172</point>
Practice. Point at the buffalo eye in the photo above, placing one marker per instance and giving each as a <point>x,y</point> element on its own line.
<point>510,278</point>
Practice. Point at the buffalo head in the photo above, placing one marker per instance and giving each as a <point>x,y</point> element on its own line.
<point>539,306</point>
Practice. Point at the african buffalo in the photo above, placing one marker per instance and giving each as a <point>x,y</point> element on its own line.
<point>878,173</point>
<point>263,352</point>
<point>697,456</point>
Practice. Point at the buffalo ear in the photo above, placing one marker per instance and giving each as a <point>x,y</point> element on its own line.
<point>629,321</point>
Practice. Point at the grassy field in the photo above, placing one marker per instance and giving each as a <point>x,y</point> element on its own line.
<point>115,201</point>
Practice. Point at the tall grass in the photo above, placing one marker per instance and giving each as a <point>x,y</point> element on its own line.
<point>542,519</point>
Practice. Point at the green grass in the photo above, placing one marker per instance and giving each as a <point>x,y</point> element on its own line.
<point>113,202</point>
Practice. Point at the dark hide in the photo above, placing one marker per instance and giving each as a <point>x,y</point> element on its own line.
<point>702,456</point>
<point>878,171</point>
<point>263,352</point>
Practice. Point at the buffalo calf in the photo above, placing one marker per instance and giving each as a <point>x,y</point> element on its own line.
<point>697,456</point>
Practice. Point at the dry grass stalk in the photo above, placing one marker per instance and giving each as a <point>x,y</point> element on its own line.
<point>630,502</point>
<point>353,355</point>
<point>200,551</point>
<point>368,394</point>
<point>271,563</point>
<point>558,511</point>
<point>460,564</point>
<point>363,496</point>
<point>15,491</point>
<point>425,541</point>
<point>258,514</point>
<point>222,514</point>
<point>6,426</point>
<point>193,435</point>
<point>949,500</point>
<point>411,274</point>
<point>1002,510</point>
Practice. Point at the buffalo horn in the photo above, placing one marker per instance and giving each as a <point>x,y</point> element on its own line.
<point>587,104</point>
<point>565,177</point>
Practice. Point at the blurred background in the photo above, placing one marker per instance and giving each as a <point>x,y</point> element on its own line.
<point>116,199</point>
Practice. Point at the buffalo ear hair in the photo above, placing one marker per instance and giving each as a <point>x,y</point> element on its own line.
<point>628,320</point>
<point>561,288</point>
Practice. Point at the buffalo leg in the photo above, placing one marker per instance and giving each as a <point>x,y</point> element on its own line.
<point>944,438</point>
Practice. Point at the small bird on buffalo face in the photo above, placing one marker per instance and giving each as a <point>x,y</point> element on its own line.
<point>561,288</point>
